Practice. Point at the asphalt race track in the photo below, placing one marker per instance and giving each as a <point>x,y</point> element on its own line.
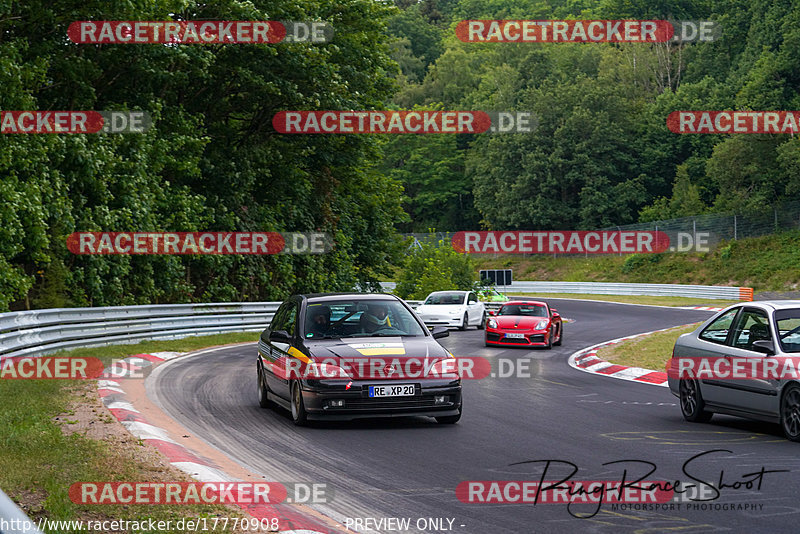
<point>409,468</point>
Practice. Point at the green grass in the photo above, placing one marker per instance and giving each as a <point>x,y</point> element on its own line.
<point>767,263</point>
<point>633,299</point>
<point>649,352</point>
<point>175,345</point>
<point>39,462</point>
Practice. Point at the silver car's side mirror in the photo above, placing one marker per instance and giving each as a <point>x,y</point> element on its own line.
<point>764,346</point>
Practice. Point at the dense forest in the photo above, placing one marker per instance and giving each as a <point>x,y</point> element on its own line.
<point>601,155</point>
<point>212,160</point>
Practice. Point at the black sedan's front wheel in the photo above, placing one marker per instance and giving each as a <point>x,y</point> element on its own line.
<point>299,415</point>
<point>263,392</point>
<point>692,401</point>
<point>450,419</point>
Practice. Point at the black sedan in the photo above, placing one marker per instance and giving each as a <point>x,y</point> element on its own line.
<point>355,355</point>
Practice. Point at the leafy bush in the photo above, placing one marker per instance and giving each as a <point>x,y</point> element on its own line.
<point>434,267</point>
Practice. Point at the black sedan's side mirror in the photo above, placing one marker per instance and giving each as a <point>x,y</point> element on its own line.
<point>764,346</point>
<point>280,336</point>
<point>439,332</point>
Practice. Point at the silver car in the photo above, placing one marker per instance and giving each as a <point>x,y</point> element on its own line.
<point>748,337</point>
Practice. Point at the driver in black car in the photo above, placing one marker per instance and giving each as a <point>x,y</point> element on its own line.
<point>320,321</point>
<point>375,318</point>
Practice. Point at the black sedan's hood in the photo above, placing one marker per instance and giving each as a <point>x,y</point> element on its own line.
<point>368,357</point>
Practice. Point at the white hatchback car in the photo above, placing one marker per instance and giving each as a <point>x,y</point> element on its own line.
<point>453,308</point>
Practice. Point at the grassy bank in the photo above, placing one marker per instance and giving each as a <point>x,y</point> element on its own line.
<point>633,299</point>
<point>649,352</point>
<point>54,433</point>
<point>763,263</point>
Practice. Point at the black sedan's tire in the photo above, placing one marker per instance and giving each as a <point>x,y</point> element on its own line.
<point>790,412</point>
<point>299,415</point>
<point>263,391</point>
<point>451,419</point>
<point>692,401</point>
<point>464,322</point>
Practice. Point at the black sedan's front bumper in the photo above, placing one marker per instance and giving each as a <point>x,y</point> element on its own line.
<point>318,394</point>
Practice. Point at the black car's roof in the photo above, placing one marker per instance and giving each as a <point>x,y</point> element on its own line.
<point>323,297</point>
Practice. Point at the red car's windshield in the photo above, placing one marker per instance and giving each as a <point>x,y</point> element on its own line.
<point>531,310</point>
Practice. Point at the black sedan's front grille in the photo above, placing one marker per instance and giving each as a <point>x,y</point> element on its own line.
<point>389,403</point>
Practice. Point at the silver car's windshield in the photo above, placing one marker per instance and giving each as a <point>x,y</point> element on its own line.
<point>788,322</point>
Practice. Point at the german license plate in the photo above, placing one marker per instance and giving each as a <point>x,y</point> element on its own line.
<point>394,390</point>
<point>516,336</point>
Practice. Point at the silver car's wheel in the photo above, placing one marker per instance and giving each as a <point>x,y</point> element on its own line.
<point>482,324</point>
<point>464,322</point>
<point>692,401</point>
<point>790,412</point>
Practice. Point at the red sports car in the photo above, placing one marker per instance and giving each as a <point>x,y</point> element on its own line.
<point>526,323</point>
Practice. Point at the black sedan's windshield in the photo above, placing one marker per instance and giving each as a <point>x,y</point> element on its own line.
<point>533,310</point>
<point>359,318</point>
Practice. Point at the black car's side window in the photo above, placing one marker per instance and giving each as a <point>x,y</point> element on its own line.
<point>278,318</point>
<point>752,325</point>
<point>290,323</point>
<point>717,331</point>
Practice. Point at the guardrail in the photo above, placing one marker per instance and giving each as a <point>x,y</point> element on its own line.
<point>13,520</point>
<point>608,288</point>
<point>39,332</point>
